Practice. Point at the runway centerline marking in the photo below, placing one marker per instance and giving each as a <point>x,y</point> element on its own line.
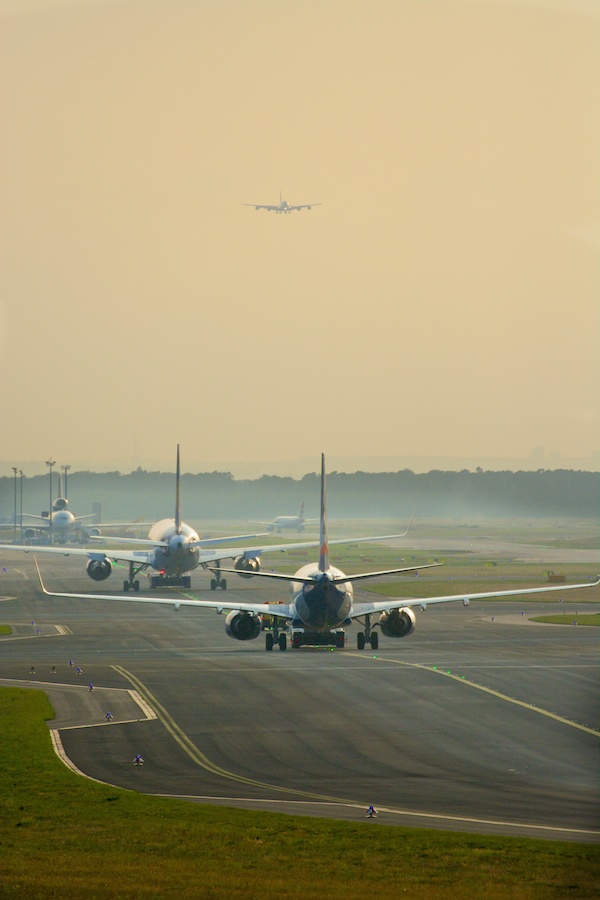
<point>479,687</point>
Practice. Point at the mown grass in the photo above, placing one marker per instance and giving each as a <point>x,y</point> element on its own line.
<point>567,618</point>
<point>63,836</point>
<point>5,629</point>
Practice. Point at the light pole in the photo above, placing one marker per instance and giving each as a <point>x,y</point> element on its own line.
<point>50,463</point>
<point>15,470</point>
<point>21,505</point>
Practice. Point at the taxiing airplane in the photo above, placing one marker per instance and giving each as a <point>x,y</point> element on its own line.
<point>295,523</point>
<point>322,603</point>
<point>174,549</point>
<point>283,206</point>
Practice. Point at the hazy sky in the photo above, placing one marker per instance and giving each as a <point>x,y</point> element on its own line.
<point>442,301</point>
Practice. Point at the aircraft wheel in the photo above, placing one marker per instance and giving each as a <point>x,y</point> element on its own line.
<point>223,584</point>
<point>269,642</point>
<point>360,640</point>
<point>213,584</point>
<point>374,641</point>
<point>282,642</point>
<point>125,586</point>
<point>136,585</point>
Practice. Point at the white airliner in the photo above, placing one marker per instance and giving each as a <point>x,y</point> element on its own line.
<point>295,523</point>
<point>283,206</point>
<point>174,549</point>
<point>322,603</point>
<point>63,526</point>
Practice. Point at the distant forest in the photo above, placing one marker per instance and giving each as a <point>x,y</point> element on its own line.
<point>218,495</point>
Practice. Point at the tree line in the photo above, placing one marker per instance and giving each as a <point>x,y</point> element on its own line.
<point>218,495</point>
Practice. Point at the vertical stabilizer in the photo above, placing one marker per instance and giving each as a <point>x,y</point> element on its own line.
<point>61,496</point>
<point>177,498</point>
<point>324,551</point>
<point>301,513</point>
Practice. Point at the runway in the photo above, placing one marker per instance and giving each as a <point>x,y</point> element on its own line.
<point>478,722</point>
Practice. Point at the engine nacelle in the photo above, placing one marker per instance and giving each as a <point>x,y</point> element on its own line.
<point>242,626</point>
<point>91,531</point>
<point>60,503</point>
<point>99,569</point>
<point>398,622</point>
<point>29,534</point>
<point>246,567</point>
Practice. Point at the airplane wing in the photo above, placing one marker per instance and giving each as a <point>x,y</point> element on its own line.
<point>361,609</point>
<point>286,611</point>
<point>283,610</point>
<point>206,555</point>
<point>339,579</point>
<point>303,206</point>
<point>262,206</point>
<point>138,556</point>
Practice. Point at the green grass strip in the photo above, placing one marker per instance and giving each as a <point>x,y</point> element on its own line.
<point>66,837</point>
<point>568,618</point>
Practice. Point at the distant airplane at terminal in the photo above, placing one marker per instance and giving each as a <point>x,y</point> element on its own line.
<point>63,527</point>
<point>295,523</point>
<point>322,603</point>
<point>174,549</point>
<point>283,206</point>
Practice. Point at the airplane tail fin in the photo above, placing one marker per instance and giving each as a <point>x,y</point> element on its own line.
<point>177,497</point>
<point>324,545</point>
<point>301,513</point>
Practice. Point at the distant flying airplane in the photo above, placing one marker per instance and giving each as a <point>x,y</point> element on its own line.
<point>283,207</point>
<point>322,603</point>
<point>296,523</point>
<point>174,549</point>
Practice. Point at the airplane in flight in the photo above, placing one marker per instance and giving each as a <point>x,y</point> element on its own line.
<point>322,603</point>
<point>283,206</point>
<point>295,523</point>
<point>174,549</point>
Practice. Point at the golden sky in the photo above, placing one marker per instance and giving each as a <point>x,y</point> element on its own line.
<point>442,301</point>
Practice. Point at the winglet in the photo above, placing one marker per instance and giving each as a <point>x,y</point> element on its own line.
<point>177,497</point>
<point>324,543</point>
<point>40,576</point>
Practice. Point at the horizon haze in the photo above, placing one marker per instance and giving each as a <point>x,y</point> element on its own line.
<point>441,303</point>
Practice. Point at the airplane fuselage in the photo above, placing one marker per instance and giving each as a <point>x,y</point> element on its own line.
<point>321,605</point>
<point>177,557</point>
<point>279,522</point>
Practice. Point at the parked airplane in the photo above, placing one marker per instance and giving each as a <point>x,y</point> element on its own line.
<point>62,526</point>
<point>174,549</point>
<point>283,207</point>
<point>293,522</point>
<point>322,603</point>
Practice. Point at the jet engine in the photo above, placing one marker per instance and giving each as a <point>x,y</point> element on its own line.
<point>99,569</point>
<point>29,534</point>
<point>91,531</point>
<point>398,622</point>
<point>60,503</point>
<point>246,567</point>
<point>242,626</point>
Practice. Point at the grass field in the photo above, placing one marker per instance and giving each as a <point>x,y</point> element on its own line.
<point>65,837</point>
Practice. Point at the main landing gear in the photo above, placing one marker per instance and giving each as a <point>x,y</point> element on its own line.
<point>274,637</point>
<point>218,581</point>
<point>368,636</point>
<point>133,584</point>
